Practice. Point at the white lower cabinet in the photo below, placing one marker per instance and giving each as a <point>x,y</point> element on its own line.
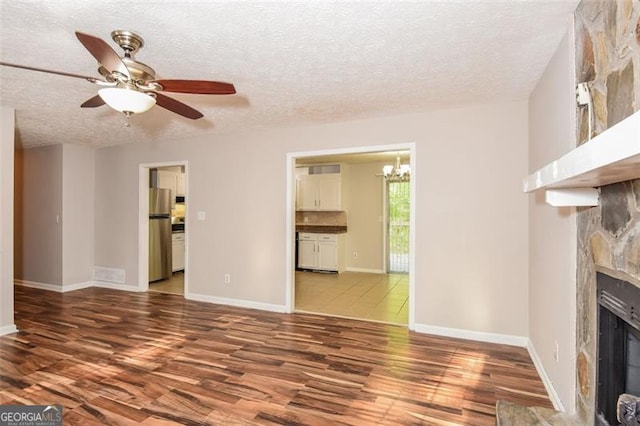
<point>307,258</point>
<point>324,252</point>
<point>177,252</point>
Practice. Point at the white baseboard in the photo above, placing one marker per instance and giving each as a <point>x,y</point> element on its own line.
<point>553,395</point>
<point>8,329</point>
<point>481,336</point>
<point>76,286</point>
<point>40,286</point>
<point>235,302</point>
<point>116,286</point>
<point>367,270</point>
<point>54,287</point>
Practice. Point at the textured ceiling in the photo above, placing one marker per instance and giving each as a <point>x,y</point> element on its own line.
<point>292,63</point>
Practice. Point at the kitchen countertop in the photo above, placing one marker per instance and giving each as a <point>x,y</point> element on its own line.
<point>321,229</point>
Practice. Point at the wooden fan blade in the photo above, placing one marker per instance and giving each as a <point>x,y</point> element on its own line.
<point>103,53</point>
<point>66,74</point>
<point>96,101</point>
<point>201,87</point>
<point>177,107</point>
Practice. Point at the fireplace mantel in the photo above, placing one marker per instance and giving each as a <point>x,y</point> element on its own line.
<point>613,156</point>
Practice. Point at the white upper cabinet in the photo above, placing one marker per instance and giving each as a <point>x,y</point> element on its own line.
<point>180,184</point>
<point>306,193</point>
<point>167,180</point>
<point>171,180</point>
<point>318,192</point>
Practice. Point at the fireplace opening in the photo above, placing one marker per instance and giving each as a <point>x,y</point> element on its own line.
<point>618,367</point>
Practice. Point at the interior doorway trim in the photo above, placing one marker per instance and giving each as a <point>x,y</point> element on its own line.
<point>143,222</point>
<point>291,208</point>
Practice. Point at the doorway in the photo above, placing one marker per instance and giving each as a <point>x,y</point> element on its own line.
<point>170,179</point>
<point>373,283</point>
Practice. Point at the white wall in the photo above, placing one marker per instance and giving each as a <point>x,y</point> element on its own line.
<point>55,216</point>
<point>7,134</point>
<point>471,215</point>
<point>40,260</point>
<point>552,231</point>
<point>78,203</point>
<point>472,242</point>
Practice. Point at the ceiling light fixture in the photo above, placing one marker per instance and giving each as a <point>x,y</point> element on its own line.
<point>399,173</point>
<point>127,100</point>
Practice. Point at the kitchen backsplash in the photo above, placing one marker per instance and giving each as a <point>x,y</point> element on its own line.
<point>178,211</point>
<point>321,218</point>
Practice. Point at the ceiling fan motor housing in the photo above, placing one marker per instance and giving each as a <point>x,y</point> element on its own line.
<point>130,43</point>
<point>139,72</point>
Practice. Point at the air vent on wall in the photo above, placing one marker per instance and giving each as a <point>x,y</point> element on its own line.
<point>112,275</point>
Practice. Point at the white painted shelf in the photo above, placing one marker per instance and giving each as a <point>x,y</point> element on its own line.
<point>613,156</point>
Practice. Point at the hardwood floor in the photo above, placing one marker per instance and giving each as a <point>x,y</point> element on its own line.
<point>113,357</point>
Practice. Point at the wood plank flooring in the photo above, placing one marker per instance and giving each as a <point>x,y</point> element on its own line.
<point>113,357</point>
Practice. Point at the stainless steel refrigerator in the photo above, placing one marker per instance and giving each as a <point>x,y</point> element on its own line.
<point>159,234</point>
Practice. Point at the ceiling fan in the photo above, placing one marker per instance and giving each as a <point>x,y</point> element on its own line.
<point>130,86</point>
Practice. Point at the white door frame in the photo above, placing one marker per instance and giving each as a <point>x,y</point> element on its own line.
<point>291,211</point>
<point>143,222</point>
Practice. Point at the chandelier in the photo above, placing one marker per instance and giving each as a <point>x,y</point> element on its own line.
<point>397,173</point>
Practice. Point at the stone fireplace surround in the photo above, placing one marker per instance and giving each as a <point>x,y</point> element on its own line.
<point>607,37</point>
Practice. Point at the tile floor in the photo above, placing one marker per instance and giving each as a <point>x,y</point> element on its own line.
<point>375,297</point>
<point>173,285</point>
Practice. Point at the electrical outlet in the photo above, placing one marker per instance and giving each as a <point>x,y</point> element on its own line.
<point>355,254</point>
<point>556,351</point>
<point>227,278</point>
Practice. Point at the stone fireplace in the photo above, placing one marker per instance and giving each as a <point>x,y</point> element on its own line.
<point>607,34</point>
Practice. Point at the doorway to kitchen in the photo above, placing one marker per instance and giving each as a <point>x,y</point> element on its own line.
<point>361,283</point>
<point>163,228</point>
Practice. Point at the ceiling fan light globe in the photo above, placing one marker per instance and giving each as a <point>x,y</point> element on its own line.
<point>127,100</point>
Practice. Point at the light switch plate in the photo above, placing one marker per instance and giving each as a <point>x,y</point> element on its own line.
<point>201,215</point>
